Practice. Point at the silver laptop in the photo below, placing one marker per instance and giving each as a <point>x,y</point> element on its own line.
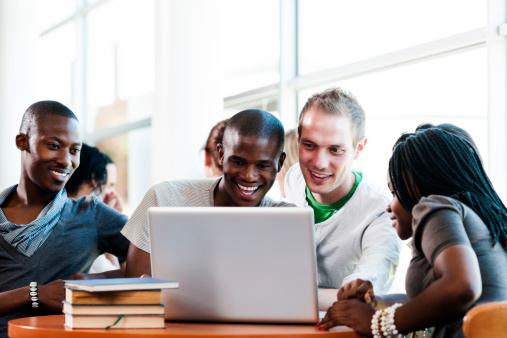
<point>236,264</point>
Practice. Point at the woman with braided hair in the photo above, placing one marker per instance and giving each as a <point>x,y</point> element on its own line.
<point>444,201</point>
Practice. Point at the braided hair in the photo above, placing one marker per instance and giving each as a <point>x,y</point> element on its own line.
<point>436,162</point>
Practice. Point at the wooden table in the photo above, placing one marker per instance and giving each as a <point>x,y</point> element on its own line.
<point>52,326</point>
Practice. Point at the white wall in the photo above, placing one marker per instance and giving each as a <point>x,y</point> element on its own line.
<point>17,55</point>
<point>188,100</point>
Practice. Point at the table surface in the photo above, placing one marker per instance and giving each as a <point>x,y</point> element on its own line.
<point>52,326</point>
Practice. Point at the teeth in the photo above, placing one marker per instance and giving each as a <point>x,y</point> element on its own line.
<point>59,174</point>
<point>247,188</point>
<point>319,176</point>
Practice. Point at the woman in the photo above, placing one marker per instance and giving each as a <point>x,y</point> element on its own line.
<point>443,199</point>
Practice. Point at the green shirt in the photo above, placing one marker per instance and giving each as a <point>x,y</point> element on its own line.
<point>323,212</point>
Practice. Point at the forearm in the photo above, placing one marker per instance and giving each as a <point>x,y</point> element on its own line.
<point>14,299</point>
<point>388,300</point>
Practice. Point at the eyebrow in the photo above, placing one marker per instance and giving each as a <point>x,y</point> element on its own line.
<point>331,145</point>
<point>80,144</point>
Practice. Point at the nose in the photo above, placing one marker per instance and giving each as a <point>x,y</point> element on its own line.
<point>321,160</point>
<point>64,158</point>
<point>250,173</point>
<point>388,208</point>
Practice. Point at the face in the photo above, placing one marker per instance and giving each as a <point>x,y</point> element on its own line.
<point>250,167</point>
<point>110,185</point>
<point>50,152</point>
<point>326,153</point>
<point>402,219</point>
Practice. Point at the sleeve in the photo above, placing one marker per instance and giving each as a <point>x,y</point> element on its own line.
<point>137,230</point>
<point>438,224</point>
<point>294,186</point>
<point>380,253</point>
<point>109,223</point>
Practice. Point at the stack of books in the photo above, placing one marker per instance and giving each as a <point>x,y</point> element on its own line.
<point>115,303</point>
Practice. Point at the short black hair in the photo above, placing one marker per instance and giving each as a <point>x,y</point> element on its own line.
<point>258,123</point>
<point>41,109</point>
<point>92,166</point>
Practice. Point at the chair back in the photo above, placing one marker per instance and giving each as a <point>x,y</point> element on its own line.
<point>486,320</point>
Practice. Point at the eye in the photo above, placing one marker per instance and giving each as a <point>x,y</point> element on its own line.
<point>237,162</point>
<point>308,146</point>
<point>53,146</point>
<point>264,166</point>
<point>75,151</point>
<point>335,150</point>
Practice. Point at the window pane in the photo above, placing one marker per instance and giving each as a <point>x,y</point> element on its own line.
<point>451,89</point>
<point>55,63</point>
<point>120,61</point>
<point>250,44</point>
<point>338,32</point>
<point>51,12</point>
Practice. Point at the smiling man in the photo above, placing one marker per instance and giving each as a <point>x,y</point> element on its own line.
<point>44,236</point>
<point>353,232</point>
<point>251,154</point>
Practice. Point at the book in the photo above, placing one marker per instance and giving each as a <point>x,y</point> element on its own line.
<point>113,309</point>
<point>113,297</point>
<point>119,284</point>
<point>114,322</point>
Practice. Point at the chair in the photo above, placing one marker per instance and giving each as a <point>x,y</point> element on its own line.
<point>486,320</point>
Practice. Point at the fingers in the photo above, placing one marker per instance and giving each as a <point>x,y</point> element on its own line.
<point>355,290</point>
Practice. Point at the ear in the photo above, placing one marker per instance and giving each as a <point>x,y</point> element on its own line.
<point>22,141</point>
<point>360,147</point>
<point>220,150</point>
<point>280,161</point>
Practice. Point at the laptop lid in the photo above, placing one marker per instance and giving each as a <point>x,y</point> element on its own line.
<point>236,264</point>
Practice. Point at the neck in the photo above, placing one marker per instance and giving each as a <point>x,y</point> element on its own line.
<point>27,194</point>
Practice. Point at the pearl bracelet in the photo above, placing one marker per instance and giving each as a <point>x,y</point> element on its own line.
<point>34,296</point>
<point>382,323</point>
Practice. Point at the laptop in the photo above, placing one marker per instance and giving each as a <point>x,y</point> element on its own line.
<point>236,264</point>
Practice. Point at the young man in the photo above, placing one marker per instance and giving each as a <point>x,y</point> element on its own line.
<point>353,233</point>
<point>251,154</point>
<point>44,236</point>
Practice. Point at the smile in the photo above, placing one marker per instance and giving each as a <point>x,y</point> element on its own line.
<point>59,174</point>
<point>247,190</point>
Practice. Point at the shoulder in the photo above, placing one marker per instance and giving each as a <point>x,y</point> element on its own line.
<point>434,203</point>
<point>268,202</point>
<point>88,207</point>
<point>371,194</point>
<point>203,184</point>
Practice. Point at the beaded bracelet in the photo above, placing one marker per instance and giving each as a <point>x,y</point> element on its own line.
<point>387,324</point>
<point>375,324</point>
<point>34,296</point>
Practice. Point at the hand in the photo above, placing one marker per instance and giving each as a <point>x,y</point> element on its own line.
<point>51,295</point>
<point>81,275</point>
<point>352,313</point>
<point>113,199</point>
<point>358,289</point>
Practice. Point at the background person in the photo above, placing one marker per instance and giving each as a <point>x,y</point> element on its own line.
<point>96,176</point>
<point>291,158</point>
<point>212,166</point>
<point>444,201</point>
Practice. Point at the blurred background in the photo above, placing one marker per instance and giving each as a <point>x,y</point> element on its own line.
<point>149,78</point>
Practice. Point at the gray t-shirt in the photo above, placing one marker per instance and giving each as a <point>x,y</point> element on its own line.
<point>440,222</point>
<point>179,193</point>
